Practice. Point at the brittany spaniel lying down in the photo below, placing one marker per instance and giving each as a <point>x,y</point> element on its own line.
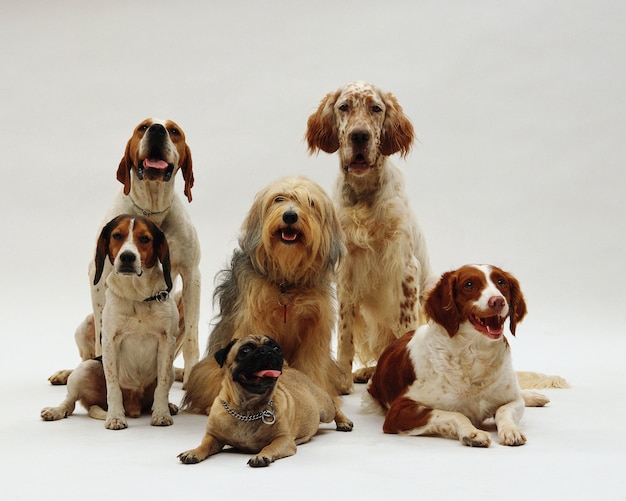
<point>453,373</point>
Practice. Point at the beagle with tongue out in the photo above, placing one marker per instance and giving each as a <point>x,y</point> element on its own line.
<point>450,375</point>
<point>264,407</point>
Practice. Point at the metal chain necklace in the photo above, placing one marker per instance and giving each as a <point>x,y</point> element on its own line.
<point>266,415</point>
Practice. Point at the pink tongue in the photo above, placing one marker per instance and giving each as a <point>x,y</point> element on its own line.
<point>155,164</point>
<point>289,236</point>
<point>268,373</point>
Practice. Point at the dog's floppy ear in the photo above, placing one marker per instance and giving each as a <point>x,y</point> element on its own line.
<point>440,305</point>
<point>398,134</point>
<point>123,171</point>
<point>186,167</point>
<point>102,248</point>
<point>162,250</point>
<point>517,308</point>
<point>321,131</point>
<point>221,355</point>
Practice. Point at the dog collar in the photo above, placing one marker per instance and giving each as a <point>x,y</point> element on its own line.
<point>146,212</point>
<point>266,415</point>
<point>160,297</point>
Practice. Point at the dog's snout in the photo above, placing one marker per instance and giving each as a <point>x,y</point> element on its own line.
<point>157,129</point>
<point>359,137</point>
<point>290,217</point>
<point>127,257</point>
<point>496,303</point>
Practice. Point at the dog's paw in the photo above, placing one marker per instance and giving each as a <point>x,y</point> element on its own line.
<point>53,413</point>
<point>344,424</point>
<point>115,423</point>
<point>477,438</point>
<point>363,375</point>
<point>259,461</point>
<point>173,409</point>
<point>60,377</point>
<point>511,436</point>
<point>161,420</point>
<point>188,457</point>
<point>534,399</point>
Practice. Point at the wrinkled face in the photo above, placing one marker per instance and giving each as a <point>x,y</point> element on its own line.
<point>255,362</point>
<point>131,246</point>
<point>359,116</point>
<point>157,148</point>
<point>483,296</point>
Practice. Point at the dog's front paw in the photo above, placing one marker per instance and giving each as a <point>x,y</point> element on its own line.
<point>115,423</point>
<point>344,424</point>
<point>53,413</point>
<point>511,436</point>
<point>477,438</point>
<point>188,457</point>
<point>258,461</point>
<point>161,420</point>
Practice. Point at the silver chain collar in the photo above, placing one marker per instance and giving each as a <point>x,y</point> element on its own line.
<point>266,415</point>
<point>146,212</point>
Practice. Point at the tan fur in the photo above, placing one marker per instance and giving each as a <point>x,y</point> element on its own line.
<point>154,196</point>
<point>381,283</point>
<point>279,288</point>
<point>299,406</point>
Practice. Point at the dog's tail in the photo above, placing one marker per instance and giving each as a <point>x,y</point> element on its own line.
<point>370,406</point>
<point>97,412</point>
<point>536,380</point>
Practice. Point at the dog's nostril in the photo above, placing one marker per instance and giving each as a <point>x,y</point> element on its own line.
<point>290,217</point>
<point>127,257</point>
<point>157,128</point>
<point>496,303</point>
<point>359,136</point>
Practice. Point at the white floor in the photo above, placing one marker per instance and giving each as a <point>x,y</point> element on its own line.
<point>519,109</point>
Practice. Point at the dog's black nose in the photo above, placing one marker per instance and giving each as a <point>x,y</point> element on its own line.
<point>290,217</point>
<point>359,136</point>
<point>127,257</point>
<point>157,129</point>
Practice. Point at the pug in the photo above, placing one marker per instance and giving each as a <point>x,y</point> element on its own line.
<point>264,407</point>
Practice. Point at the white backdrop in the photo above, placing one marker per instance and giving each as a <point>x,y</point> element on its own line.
<point>519,109</point>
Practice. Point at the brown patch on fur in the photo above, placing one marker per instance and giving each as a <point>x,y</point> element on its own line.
<point>405,415</point>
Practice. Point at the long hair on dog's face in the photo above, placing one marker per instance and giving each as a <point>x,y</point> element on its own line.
<point>292,233</point>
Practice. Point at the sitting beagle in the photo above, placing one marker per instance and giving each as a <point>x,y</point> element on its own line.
<point>139,326</point>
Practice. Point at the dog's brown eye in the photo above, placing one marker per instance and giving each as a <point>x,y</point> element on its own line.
<point>343,107</point>
<point>117,236</point>
<point>144,239</point>
<point>279,199</point>
<point>376,109</point>
<point>468,285</point>
<point>174,132</point>
<point>143,128</point>
<point>502,282</point>
<point>311,203</point>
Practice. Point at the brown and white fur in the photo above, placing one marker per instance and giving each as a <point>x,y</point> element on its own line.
<point>280,281</point>
<point>154,154</point>
<point>139,326</point>
<point>455,372</point>
<point>380,285</point>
